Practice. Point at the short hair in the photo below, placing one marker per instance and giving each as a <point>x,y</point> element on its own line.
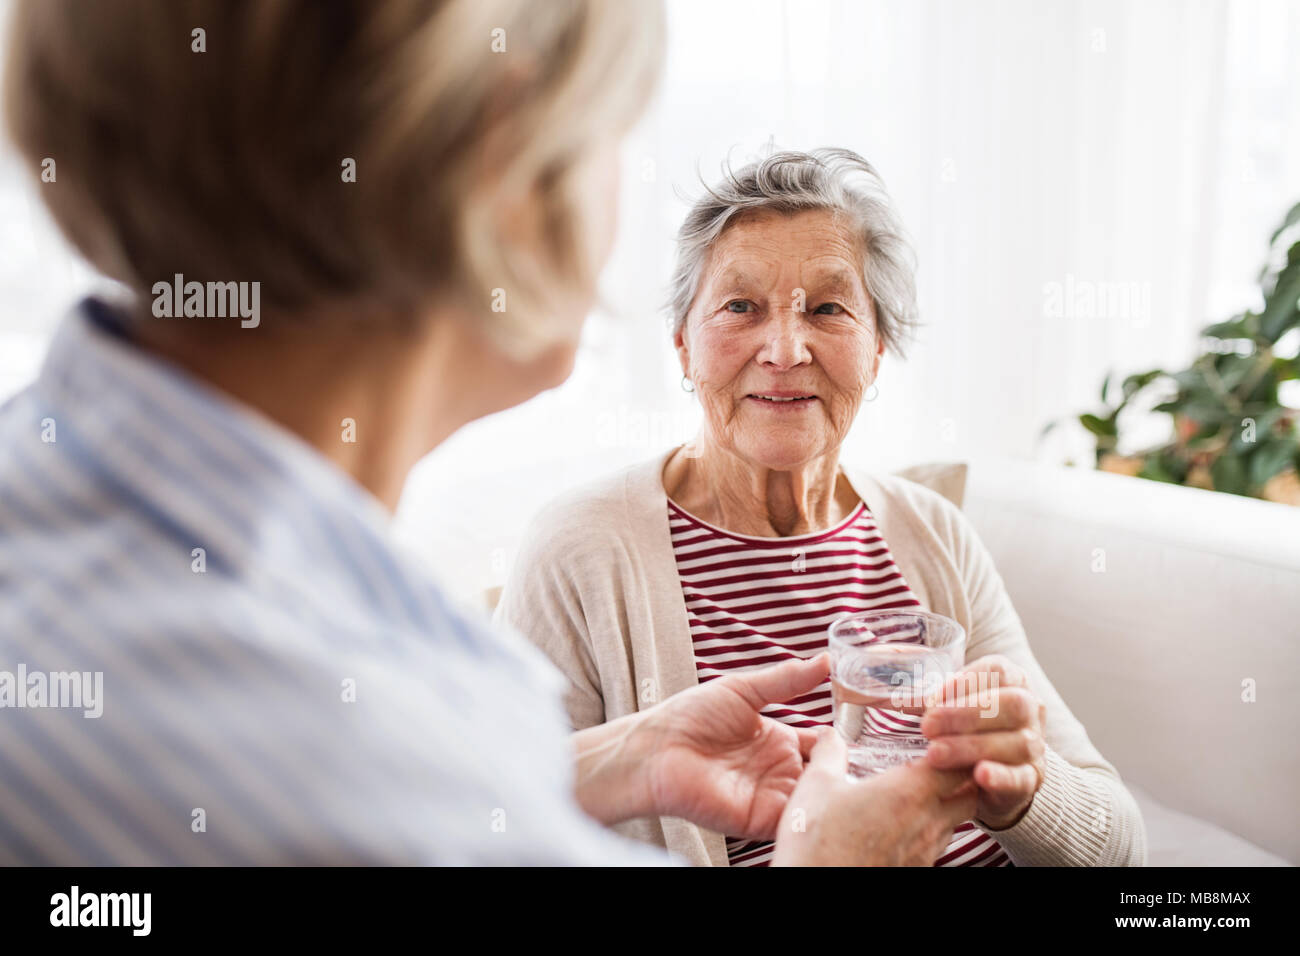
<point>227,164</point>
<point>788,182</point>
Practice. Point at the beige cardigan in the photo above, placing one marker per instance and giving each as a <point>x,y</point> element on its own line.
<point>595,586</point>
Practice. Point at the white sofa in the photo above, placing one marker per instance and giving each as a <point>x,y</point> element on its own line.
<point>1152,608</point>
<point>1201,590</point>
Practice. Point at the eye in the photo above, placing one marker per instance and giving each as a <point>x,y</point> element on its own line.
<point>738,305</point>
<point>829,308</point>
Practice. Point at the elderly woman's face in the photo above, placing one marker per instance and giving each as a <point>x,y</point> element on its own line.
<point>781,339</point>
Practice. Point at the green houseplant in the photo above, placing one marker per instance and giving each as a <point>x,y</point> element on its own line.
<point>1231,433</point>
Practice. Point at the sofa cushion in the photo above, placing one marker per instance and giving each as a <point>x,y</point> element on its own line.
<point>1180,839</point>
<point>1166,617</point>
<point>948,478</point>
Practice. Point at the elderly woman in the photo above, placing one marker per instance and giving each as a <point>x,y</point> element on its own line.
<point>413,199</point>
<point>792,282</point>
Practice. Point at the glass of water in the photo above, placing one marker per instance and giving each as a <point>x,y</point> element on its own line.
<point>885,666</point>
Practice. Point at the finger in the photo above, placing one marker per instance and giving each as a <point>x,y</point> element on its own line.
<point>1009,672</point>
<point>781,682</point>
<point>970,787</point>
<point>984,673</point>
<point>939,784</point>
<point>1004,709</point>
<point>966,750</point>
<point>999,779</point>
<point>830,754</point>
<point>807,740</point>
<point>960,807</point>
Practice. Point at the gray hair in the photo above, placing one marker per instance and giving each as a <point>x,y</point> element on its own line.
<point>838,180</point>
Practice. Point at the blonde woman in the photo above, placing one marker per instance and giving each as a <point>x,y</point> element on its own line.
<point>314,209</point>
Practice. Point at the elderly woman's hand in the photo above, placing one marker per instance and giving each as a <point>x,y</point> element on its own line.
<point>902,817</point>
<point>988,718</point>
<point>714,760</point>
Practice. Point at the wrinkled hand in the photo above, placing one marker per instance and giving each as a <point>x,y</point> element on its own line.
<point>902,817</point>
<point>990,720</point>
<point>719,763</point>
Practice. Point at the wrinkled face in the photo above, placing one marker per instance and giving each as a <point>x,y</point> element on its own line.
<point>781,338</point>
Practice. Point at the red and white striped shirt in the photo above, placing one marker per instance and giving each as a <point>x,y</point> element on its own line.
<point>755,601</point>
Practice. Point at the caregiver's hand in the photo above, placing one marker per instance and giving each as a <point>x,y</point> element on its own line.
<point>990,720</point>
<point>903,817</point>
<point>705,754</point>
<point>720,764</point>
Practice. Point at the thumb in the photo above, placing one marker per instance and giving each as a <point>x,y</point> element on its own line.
<point>830,755</point>
<point>950,795</point>
<point>960,808</point>
<point>781,682</point>
<point>944,784</point>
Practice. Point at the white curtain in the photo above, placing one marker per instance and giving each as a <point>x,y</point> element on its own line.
<point>1086,184</point>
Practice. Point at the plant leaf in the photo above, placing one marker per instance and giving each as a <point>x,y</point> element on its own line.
<point>1233,369</point>
<point>1282,305</point>
<point>1101,427</point>
<point>1232,329</point>
<point>1192,379</point>
<point>1140,380</point>
<point>1292,217</point>
<point>1154,470</point>
<point>1264,393</point>
<point>1229,474</point>
<point>1205,436</point>
<point>1206,411</point>
<point>1270,458</point>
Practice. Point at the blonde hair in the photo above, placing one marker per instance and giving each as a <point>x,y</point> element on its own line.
<point>227,164</point>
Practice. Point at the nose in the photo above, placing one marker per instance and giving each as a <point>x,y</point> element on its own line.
<point>785,343</point>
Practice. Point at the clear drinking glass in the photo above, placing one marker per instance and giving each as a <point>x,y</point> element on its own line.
<point>884,665</point>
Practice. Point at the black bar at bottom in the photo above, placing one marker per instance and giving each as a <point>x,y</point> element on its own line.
<point>895,907</point>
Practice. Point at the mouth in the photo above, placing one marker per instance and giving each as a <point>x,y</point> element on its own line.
<point>781,399</point>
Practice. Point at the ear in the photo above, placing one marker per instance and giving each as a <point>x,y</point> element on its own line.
<point>683,349</point>
<point>875,363</point>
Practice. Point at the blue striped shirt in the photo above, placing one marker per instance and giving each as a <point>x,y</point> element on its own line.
<point>279,684</point>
